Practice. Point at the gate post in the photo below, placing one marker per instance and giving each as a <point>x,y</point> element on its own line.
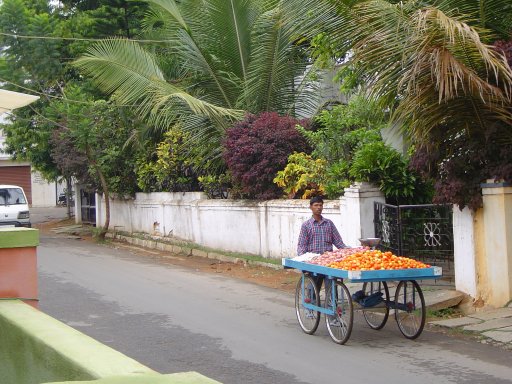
<point>497,218</point>
<point>357,220</point>
<point>467,230</point>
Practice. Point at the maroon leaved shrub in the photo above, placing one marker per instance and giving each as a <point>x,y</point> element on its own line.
<point>258,147</point>
<point>505,47</point>
<point>461,163</point>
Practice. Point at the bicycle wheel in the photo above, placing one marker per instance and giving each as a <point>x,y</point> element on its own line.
<point>307,292</point>
<point>376,316</point>
<point>410,308</point>
<point>340,324</point>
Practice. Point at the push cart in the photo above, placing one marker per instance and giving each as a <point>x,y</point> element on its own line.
<point>338,304</point>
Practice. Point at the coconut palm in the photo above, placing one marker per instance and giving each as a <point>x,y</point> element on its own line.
<point>215,60</point>
<point>429,61</point>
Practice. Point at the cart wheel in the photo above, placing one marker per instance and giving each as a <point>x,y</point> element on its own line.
<point>307,292</point>
<point>410,308</point>
<point>376,316</point>
<point>340,324</point>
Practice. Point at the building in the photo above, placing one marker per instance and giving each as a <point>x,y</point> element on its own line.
<point>39,192</point>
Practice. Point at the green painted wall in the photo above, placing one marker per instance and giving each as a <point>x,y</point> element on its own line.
<point>35,348</point>
<point>174,378</point>
<point>17,237</point>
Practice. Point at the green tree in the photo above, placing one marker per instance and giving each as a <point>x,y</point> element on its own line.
<point>39,39</point>
<point>97,132</point>
<point>105,18</point>
<point>217,59</point>
<point>430,63</point>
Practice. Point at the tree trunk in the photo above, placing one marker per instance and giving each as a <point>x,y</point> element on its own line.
<point>68,196</point>
<point>106,195</point>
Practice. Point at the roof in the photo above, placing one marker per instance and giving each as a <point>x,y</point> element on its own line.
<point>10,186</point>
<point>10,100</point>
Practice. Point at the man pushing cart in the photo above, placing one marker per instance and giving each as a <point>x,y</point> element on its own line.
<point>318,262</point>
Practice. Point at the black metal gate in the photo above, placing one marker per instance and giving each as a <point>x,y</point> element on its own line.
<point>422,232</point>
<point>88,207</point>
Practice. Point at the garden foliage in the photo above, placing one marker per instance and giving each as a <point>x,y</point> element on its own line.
<point>257,148</point>
<point>348,147</point>
<point>302,177</point>
<point>461,163</point>
<point>169,168</point>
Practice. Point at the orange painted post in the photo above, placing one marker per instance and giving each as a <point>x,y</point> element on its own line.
<point>18,264</point>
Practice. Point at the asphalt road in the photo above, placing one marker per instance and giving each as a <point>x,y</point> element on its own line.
<point>175,319</point>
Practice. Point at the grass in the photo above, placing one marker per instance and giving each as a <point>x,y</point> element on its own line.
<point>445,313</point>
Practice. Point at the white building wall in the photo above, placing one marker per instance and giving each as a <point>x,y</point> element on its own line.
<point>44,194</point>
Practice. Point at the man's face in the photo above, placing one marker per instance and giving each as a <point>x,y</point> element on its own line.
<point>316,208</point>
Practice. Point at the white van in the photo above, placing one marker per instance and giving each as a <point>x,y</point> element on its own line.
<point>14,206</point>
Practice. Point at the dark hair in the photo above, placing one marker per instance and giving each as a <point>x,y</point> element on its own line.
<point>316,199</point>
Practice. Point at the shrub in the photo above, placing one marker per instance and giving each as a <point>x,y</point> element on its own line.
<point>384,166</point>
<point>259,146</point>
<point>169,168</point>
<point>302,176</point>
<point>215,186</point>
<point>461,163</point>
<point>348,138</point>
<point>505,47</point>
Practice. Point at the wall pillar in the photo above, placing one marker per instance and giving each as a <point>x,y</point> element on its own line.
<point>358,215</point>
<point>497,218</point>
<point>465,250</point>
<point>18,264</point>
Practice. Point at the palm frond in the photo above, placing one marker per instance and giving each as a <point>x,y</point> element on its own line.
<point>172,10</point>
<point>410,54</point>
<point>122,68</point>
<point>274,66</point>
<point>208,70</point>
<point>234,19</point>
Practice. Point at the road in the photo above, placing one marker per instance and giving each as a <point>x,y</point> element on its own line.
<point>175,319</point>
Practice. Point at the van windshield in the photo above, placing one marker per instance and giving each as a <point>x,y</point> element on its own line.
<point>10,196</point>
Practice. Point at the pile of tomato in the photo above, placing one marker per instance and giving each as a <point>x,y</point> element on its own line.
<point>331,257</point>
<point>374,260</point>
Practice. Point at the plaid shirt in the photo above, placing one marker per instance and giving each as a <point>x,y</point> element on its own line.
<point>318,237</point>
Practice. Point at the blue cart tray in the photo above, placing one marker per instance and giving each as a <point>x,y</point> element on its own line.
<point>363,276</point>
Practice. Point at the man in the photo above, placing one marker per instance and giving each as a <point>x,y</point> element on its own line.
<point>318,234</point>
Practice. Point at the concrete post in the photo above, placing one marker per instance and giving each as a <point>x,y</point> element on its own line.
<point>497,218</point>
<point>18,264</point>
<point>465,224</point>
<point>357,215</point>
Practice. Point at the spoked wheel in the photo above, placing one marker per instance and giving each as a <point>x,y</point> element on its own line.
<point>376,316</point>
<point>340,324</point>
<point>307,293</point>
<point>410,309</point>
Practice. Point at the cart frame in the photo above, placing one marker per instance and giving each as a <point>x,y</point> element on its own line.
<point>338,305</point>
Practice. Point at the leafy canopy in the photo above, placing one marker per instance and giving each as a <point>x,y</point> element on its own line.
<point>215,59</point>
<point>432,65</point>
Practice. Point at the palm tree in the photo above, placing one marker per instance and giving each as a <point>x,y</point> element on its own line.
<point>215,60</point>
<point>430,62</point>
